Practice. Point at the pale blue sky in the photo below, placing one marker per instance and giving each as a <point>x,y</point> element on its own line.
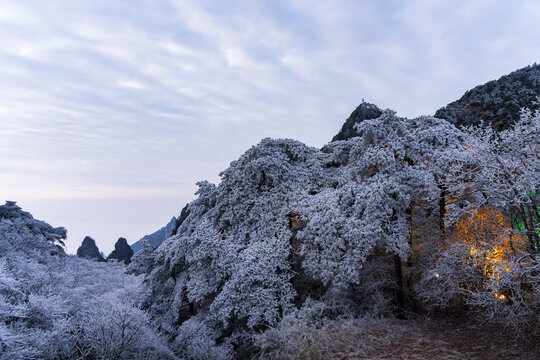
<point>110,111</point>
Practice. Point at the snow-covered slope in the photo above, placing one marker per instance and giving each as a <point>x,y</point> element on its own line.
<point>498,102</point>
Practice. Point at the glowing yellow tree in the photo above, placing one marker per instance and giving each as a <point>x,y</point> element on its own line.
<point>487,232</point>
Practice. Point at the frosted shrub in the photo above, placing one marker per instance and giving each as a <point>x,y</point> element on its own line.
<point>196,340</point>
<point>293,339</point>
<point>508,294</point>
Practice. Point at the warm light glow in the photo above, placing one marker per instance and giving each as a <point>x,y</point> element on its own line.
<point>490,245</point>
<point>486,233</point>
<point>437,276</point>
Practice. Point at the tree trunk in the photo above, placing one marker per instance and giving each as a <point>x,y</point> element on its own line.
<point>410,219</point>
<point>400,299</point>
<point>442,209</point>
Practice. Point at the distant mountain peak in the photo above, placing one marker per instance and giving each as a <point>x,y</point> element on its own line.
<point>364,111</point>
<point>156,238</point>
<point>122,251</point>
<point>88,249</point>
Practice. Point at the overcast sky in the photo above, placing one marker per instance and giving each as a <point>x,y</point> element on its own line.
<point>110,111</point>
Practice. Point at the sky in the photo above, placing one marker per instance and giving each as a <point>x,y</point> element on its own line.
<point>111,111</point>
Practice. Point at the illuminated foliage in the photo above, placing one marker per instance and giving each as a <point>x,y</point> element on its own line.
<point>500,170</point>
<point>490,259</point>
<point>489,237</point>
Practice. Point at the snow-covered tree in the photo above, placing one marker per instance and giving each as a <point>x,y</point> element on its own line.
<point>500,169</point>
<point>490,259</point>
<point>19,231</point>
<point>385,171</point>
<point>231,253</point>
<point>288,222</point>
<point>143,261</point>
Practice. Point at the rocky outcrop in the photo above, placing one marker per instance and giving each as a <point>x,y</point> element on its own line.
<point>497,102</point>
<point>183,215</point>
<point>122,251</point>
<point>88,249</point>
<point>364,111</point>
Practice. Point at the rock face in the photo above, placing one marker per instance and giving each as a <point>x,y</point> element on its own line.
<point>88,249</point>
<point>122,251</point>
<point>497,102</point>
<point>155,239</point>
<point>364,111</point>
<point>183,215</point>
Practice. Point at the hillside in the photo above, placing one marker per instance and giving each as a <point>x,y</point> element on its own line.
<point>498,102</point>
<point>59,306</point>
<point>401,238</point>
<point>379,223</point>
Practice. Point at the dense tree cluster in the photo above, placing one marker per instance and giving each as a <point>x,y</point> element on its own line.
<point>20,232</point>
<point>57,306</point>
<point>290,224</point>
<point>232,262</point>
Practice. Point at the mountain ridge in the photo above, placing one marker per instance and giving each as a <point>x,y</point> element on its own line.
<point>156,238</point>
<point>497,102</point>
